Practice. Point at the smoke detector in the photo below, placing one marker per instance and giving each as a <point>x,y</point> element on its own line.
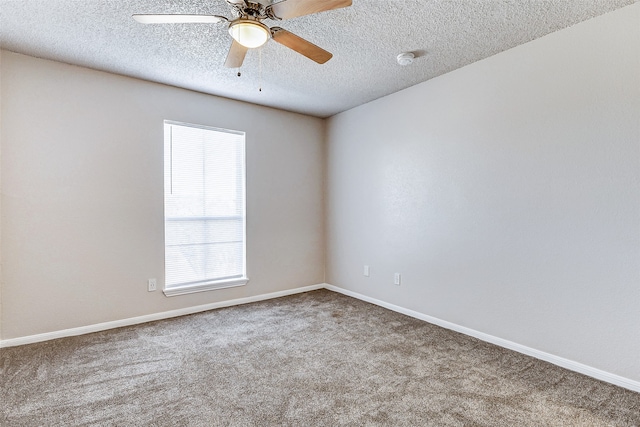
<point>405,58</point>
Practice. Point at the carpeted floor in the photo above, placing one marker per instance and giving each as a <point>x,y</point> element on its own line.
<point>314,359</point>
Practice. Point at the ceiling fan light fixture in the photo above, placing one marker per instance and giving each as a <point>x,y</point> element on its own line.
<point>250,34</point>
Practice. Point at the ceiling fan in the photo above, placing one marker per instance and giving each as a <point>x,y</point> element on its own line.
<point>248,31</point>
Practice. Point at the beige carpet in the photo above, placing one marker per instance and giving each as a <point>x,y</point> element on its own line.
<point>314,359</point>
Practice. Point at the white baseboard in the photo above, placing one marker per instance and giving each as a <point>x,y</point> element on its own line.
<point>556,360</point>
<point>150,317</point>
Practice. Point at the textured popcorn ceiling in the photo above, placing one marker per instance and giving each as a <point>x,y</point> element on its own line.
<point>364,38</point>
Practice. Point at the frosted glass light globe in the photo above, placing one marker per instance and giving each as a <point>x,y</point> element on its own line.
<point>249,34</point>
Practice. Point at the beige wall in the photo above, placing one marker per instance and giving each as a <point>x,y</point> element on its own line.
<point>506,193</point>
<point>82,196</point>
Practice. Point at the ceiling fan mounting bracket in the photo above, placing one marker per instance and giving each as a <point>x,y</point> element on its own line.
<point>271,15</point>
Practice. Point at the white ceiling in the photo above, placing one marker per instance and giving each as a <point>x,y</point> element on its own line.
<point>364,38</point>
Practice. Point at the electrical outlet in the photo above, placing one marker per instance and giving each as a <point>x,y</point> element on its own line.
<point>366,271</point>
<point>396,279</point>
<point>152,284</point>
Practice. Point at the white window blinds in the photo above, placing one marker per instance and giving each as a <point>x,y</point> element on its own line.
<point>204,208</point>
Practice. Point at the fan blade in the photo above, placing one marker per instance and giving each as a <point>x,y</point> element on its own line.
<point>178,19</point>
<point>236,55</point>
<point>292,8</point>
<point>300,45</point>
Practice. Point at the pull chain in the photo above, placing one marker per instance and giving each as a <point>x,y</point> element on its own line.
<point>260,60</point>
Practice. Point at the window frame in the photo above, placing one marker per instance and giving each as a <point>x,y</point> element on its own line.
<point>214,283</point>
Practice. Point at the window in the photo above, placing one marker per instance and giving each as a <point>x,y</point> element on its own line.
<point>204,209</point>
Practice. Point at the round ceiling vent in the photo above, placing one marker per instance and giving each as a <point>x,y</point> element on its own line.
<point>405,58</point>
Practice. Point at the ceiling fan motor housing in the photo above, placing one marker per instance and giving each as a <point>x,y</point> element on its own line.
<point>252,9</point>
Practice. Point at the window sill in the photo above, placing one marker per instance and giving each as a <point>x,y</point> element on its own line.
<point>203,287</point>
